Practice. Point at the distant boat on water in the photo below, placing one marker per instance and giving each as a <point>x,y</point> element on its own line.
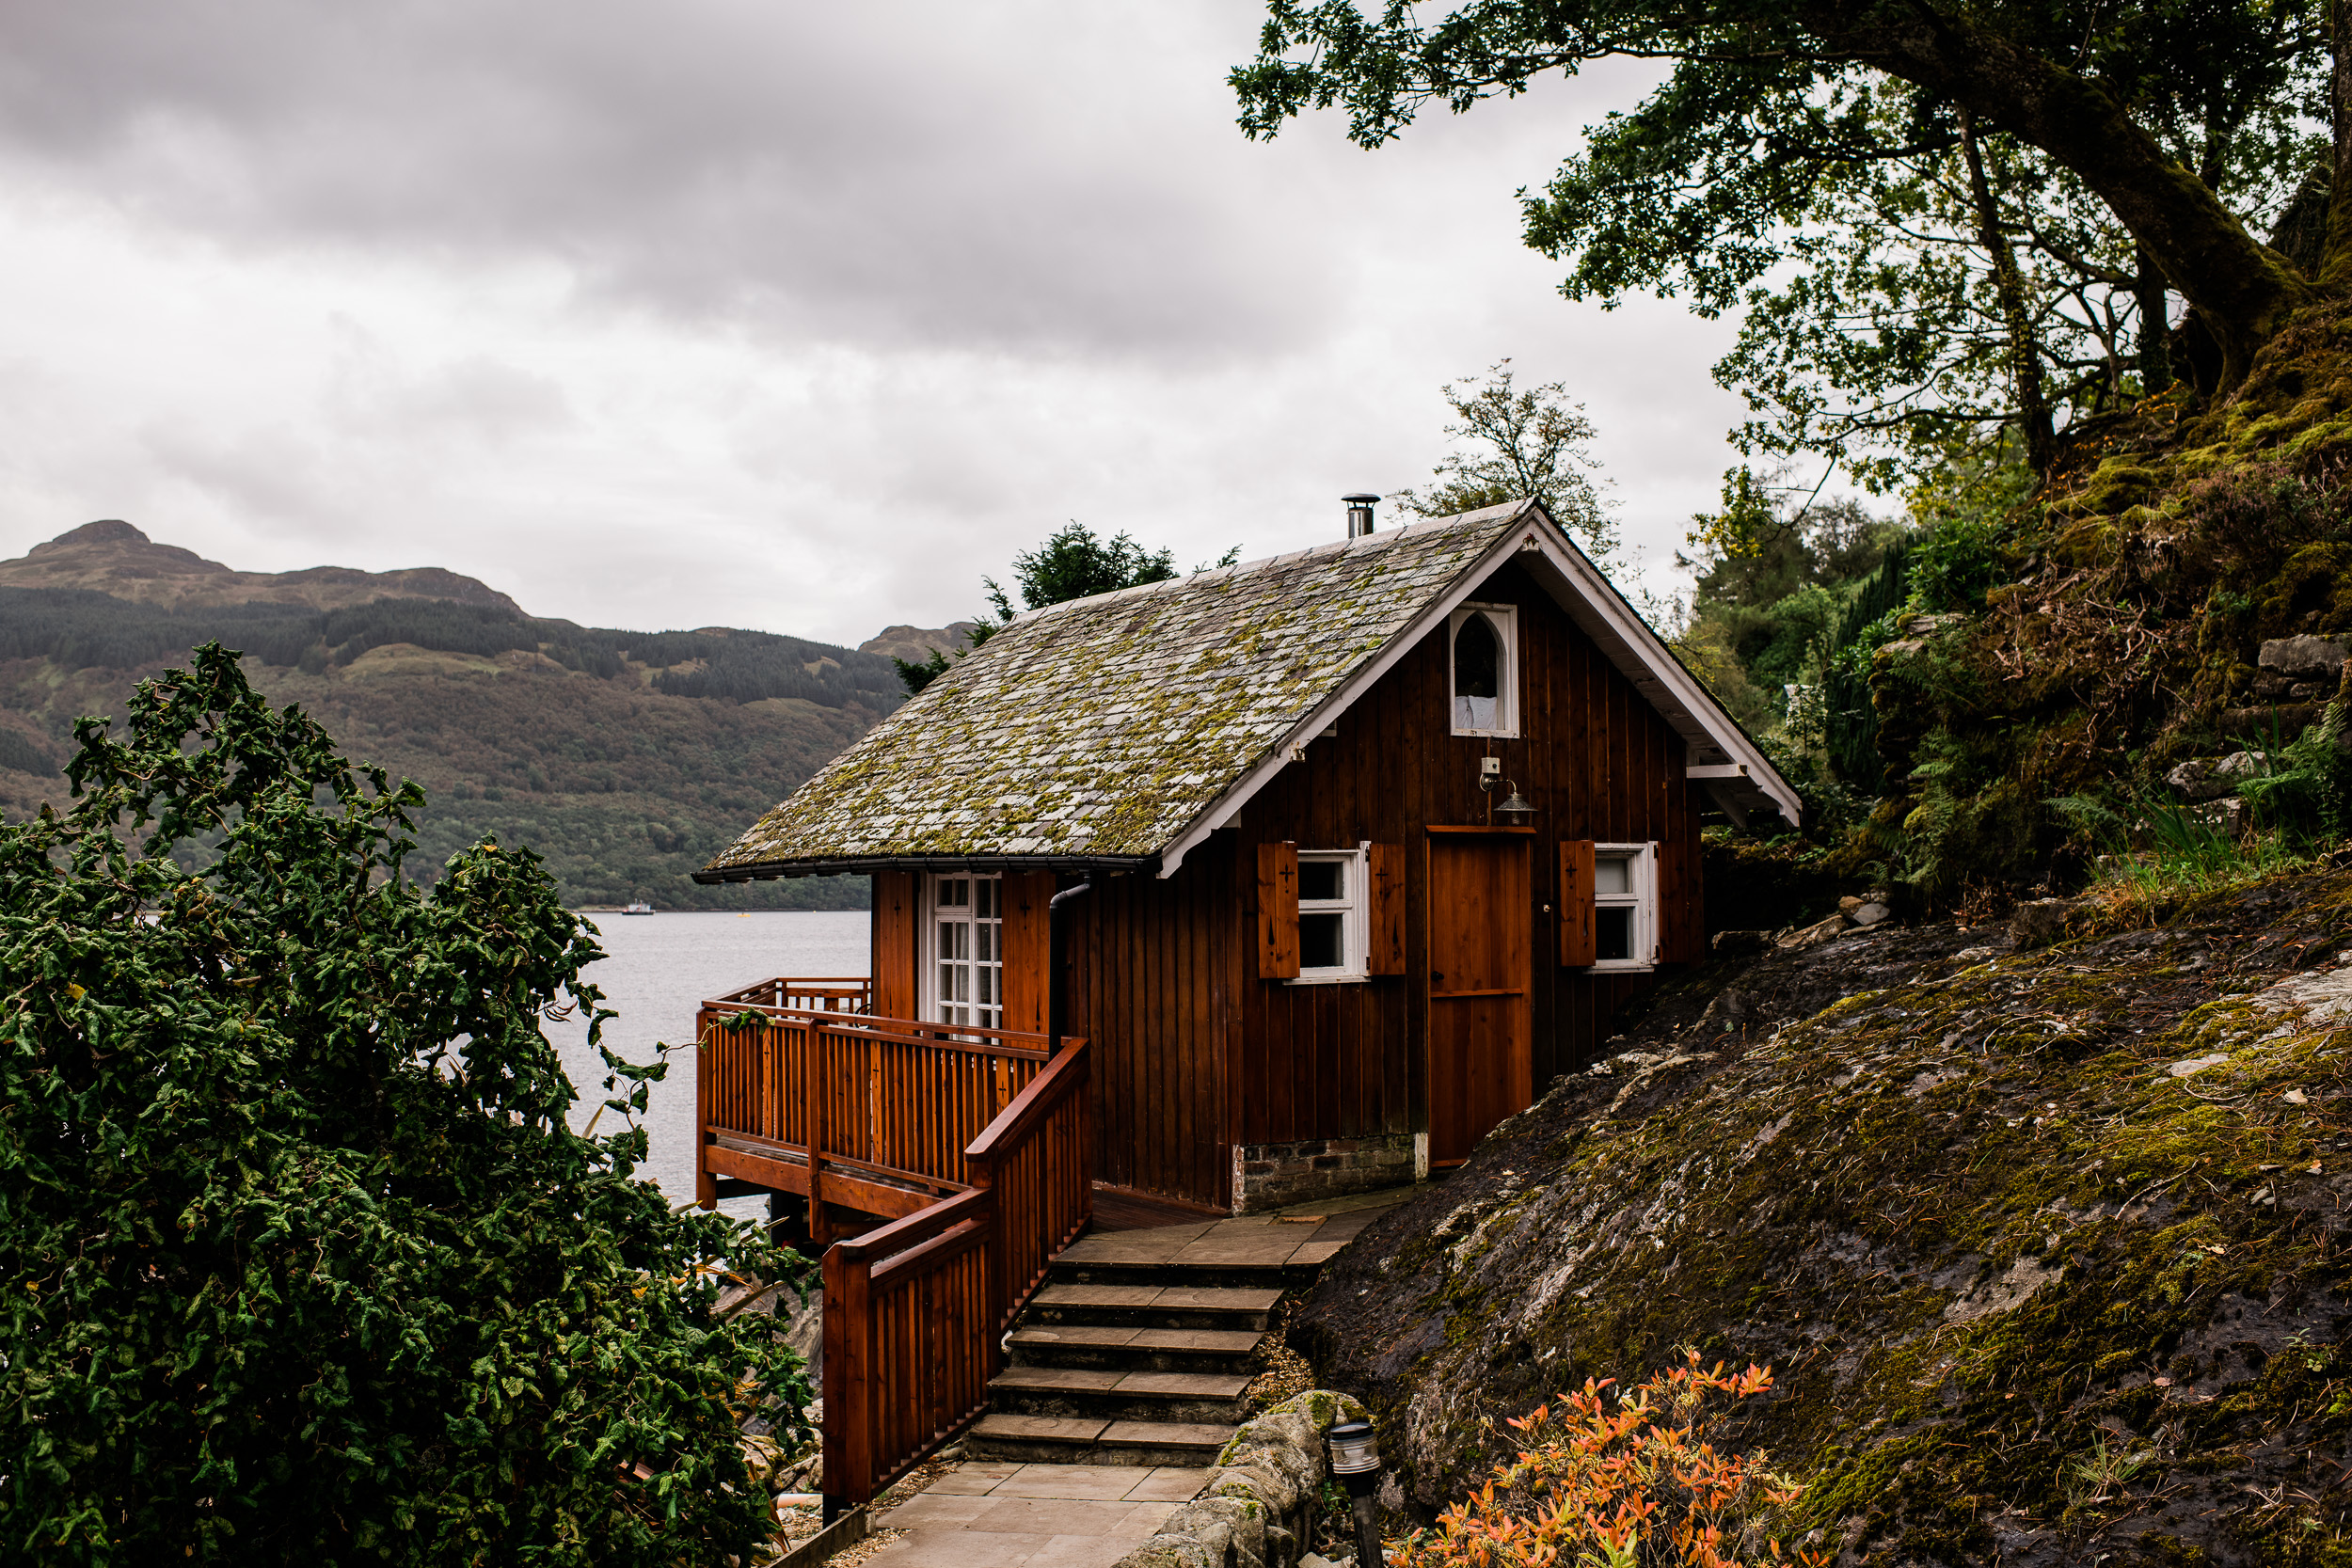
<point>641,906</point>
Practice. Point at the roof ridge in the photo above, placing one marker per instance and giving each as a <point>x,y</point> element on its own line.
<point>1419,528</point>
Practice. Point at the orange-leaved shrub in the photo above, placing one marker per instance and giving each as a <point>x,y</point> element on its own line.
<point>1622,1480</point>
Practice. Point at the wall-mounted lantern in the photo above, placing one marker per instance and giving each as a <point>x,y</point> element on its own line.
<point>1516,810</point>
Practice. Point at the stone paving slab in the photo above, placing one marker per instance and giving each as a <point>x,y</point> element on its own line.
<point>1230,1341</point>
<point>1201,1384</point>
<point>1055,1377</point>
<point>1226,1296</point>
<point>1098,1295</point>
<point>1050,1429</point>
<point>1207,1433</point>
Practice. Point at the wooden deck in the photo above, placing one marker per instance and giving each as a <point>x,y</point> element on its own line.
<point>974,1145</point>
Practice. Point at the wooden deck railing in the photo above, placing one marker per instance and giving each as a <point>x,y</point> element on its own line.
<point>873,1112</point>
<point>970,1141</point>
<point>924,1302</point>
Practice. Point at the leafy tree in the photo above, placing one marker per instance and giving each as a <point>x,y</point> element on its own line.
<point>1772,581</point>
<point>1524,444</point>
<point>1075,562</point>
<point>2148,111</point>
<point>301,1260</point>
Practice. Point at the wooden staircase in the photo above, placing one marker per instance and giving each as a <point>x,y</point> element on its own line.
<point>1140,1346</point>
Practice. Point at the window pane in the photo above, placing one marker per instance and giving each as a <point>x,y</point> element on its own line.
<point>955,892</point>
<point>1614,939</point>
<point>1612,874</point>
<point>984,899</point>
<point>1322,943</point>
<point>1322,880</point>
<point>988,944</point>
<point>1477,661</point>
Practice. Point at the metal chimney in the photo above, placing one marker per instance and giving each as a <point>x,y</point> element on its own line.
<point>1359,514</point>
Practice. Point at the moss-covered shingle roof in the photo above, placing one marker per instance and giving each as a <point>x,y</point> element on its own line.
<point>1101,728</point>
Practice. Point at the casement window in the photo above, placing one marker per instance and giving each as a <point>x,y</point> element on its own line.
<point>1330,914</point>
<point>966,976</point>
<point>1609,904</point>
<point>1484,668</point>
<point>1327,915</point>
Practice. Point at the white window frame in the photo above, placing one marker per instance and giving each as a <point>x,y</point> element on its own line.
<point>1641,896</point>
<point>934,1009</point>
<point>1354,912</point>
<point>1504,621</point>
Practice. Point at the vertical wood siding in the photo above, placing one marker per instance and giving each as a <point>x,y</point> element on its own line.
<point>1600,765</point>
<point>896,909</point>
<point>1027,938</point>
<point>1154,966</point>
<point>1193,1052</point>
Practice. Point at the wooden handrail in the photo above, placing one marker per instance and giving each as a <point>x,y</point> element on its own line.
<point>915,1310</point>
<point>1044,1092</point>
<point>914,1230</point>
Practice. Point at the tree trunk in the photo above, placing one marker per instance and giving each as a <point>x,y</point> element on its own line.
<point>2155,328</point>
<point>2337,268</point>
<point>2025,359</point>
<point>2244,289</point>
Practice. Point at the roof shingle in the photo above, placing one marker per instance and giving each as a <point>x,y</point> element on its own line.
<point>1105,726</point>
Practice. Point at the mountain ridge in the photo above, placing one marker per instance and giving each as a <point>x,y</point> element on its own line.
<point>626,759</point>
<point>115,558</point>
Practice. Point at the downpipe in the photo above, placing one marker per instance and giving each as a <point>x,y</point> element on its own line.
<point>1057,955</point>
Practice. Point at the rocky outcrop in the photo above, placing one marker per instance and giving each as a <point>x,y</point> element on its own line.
<point>916,643</point>
<point>1255,1507</point>
<point>2032,1293</point>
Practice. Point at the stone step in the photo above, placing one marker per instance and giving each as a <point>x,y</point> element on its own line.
<point>1091,1440</point>
<point>1157,1350</point>
<point>1188,1397</point>
<point>1268,1273</point>
<point>1226,1308</point>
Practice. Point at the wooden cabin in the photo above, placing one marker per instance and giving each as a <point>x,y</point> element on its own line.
<point>1372,840</point>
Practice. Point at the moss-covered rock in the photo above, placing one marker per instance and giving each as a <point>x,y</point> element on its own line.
<point>2133,589</point>
<point>2047,1249</point>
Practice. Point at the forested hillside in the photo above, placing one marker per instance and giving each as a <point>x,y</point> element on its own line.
<point>624,758</point>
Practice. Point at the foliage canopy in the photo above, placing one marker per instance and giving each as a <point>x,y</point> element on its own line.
<point>301,1260</point>
<point>1523,444</point>
<point>1860,181</point>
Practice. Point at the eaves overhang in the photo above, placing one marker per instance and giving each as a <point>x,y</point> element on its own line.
<point>866,864</point>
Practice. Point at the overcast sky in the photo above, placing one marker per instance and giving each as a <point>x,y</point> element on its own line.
<point>682,313</point>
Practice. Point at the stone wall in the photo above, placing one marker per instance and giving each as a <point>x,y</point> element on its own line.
<point>1274,1176</point>
<point>1255,1509</point>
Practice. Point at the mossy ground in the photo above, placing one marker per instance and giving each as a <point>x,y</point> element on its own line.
<point>2031,1295</point>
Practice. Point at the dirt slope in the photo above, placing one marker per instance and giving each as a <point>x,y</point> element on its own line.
<point>2047,1248</point>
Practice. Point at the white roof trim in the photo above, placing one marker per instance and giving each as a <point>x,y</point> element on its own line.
<point>1593,602</point>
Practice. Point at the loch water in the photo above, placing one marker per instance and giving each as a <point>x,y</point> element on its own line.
<point>656,969</point>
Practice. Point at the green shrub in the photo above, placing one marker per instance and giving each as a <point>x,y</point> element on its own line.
<point>302,1262</point>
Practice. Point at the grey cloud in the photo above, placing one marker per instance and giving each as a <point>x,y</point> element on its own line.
<point>844,172</point>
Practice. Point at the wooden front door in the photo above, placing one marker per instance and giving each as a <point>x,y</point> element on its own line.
<point>1481,920</point>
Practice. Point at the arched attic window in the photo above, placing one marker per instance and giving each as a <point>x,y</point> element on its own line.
<point>1485,673</point>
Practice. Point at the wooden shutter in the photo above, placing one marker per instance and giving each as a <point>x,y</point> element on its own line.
<point>1681,922</point>
<point>897,908</point>
<point>1579,944</point>
<point>1277,911</point>
<point>1384,883</point>
<point>1027,897</point>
